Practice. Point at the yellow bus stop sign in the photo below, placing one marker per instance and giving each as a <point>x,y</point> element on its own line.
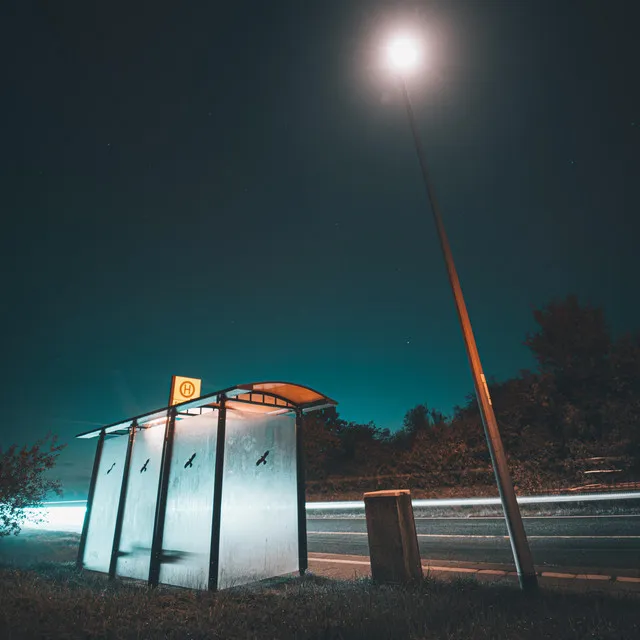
<point>183,389</point>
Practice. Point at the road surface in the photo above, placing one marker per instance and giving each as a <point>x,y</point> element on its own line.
<point>560,541</point>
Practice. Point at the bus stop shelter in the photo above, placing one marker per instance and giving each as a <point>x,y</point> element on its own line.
<point>207,494</point>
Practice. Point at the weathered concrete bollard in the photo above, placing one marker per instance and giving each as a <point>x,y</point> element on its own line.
<point>393,543</point>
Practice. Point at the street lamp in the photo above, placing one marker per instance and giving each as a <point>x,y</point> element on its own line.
<point>403,55</point>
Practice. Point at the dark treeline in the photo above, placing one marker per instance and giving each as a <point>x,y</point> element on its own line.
<point>568,423</point>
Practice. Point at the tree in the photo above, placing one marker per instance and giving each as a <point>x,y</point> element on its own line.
<point>624,363</point>
<point>358,439</point>
<point>23,481</point>
<point>573,343</point>
<point>322,445</point>
<point>421,417</point>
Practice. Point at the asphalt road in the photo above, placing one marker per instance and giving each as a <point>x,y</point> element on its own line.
<point>559,541</point>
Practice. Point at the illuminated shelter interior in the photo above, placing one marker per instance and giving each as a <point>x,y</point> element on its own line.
<point>207,494</point>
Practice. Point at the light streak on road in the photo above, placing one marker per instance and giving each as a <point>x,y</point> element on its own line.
<point>68,515</point>
<point>56,518</point>
<point>471,502</point>
<point>479,536</point>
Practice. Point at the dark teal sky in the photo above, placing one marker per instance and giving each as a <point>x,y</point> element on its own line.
<point>231,193</point>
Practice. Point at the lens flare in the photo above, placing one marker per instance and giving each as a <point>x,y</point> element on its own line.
<point>404,53</point>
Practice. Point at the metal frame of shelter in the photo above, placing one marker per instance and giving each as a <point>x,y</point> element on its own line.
<point>270,397</point>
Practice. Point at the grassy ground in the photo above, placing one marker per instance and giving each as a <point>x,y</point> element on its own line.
<point>32,547</point>
<point>56,601</point>
<point>53,600</point>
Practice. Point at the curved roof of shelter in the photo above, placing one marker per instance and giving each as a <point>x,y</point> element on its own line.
<point>300,396</point>
<point>296,394</point>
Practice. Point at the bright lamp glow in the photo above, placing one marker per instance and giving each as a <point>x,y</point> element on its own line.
<point>404,53</point>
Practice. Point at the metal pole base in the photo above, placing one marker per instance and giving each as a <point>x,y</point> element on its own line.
<point>528,582</point>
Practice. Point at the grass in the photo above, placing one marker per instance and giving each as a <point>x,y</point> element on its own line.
<point>57,601</point>
<point>43,599</point>
<point>33,547</point>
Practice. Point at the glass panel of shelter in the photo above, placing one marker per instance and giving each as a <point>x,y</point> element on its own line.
<point>258,524</point>
<point>140,505</point>
<point>186,543</point>
<point>97,551</point>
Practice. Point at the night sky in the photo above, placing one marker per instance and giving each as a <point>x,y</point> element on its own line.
<point>230,191</point>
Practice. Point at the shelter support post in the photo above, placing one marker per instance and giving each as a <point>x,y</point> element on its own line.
<point>303,561</point>
<point>161,502</point>
<point>121,502</point>
<point>92,490</point>
<point>214,556</point>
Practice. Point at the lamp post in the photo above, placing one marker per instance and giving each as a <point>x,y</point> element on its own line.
<point>404,57</point>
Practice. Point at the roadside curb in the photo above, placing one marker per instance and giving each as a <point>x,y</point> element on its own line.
<point>349,567</point>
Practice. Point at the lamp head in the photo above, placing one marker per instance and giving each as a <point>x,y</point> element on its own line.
<point>404,53</point>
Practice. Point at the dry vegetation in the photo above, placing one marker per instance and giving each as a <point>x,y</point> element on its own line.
<point>54,600</point>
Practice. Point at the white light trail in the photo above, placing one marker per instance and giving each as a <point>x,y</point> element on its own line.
<point>488,536</point>
<point>472,502</point>
<point>69,515</point>
<point>56,518</point>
